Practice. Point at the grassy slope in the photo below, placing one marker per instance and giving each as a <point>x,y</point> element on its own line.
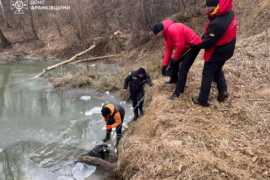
<point>179,140</point>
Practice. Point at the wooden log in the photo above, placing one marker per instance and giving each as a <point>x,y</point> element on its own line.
<point>117,34</point>
<point>110,167</point>
<point>64,62</point>
<point>94,58</point>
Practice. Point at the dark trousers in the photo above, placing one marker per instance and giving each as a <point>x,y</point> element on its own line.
<point>212,70</point>
<point>174,71</point>
<point>186,62</point>
<point>118,129</point>
<point>137,96</point>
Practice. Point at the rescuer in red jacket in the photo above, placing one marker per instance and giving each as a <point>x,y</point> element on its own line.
<point>177,38</point>
<point>219,44</point>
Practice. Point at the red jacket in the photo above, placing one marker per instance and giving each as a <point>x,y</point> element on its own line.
<point>220,33</point>
<point>177,36</point>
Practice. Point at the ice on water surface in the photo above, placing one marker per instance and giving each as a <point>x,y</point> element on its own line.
<point>86,98</point>
<point>122,102</point>
<point>92,111</point>
<point>80,170</point>
<point>64,178</point>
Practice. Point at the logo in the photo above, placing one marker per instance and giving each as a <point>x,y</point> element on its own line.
<point>212,34</point>
<point>19,5</point>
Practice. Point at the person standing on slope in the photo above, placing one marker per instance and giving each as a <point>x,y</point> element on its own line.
<point>219,44</point>
<point>177,37</point>
<point>136,81</point>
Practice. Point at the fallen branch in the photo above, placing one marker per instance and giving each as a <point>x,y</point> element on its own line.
<point>64,62</point>
<point>94,58</point>
<point>116,34</point>
<point>97,162</point>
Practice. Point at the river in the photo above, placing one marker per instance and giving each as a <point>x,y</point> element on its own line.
<point>42,129</point>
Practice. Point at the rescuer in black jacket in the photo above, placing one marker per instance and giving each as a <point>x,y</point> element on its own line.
<point>136,81</point>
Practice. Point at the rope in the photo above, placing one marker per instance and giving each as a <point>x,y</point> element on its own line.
<point>180,59</point>
<point>129,114</point>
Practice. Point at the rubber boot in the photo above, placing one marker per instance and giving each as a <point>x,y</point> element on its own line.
<point>222,96</point>
<point>118,137</point>
<point>136,116</point>
<point>141,111</point>
<point>108,136</point>
<point>173,97</point>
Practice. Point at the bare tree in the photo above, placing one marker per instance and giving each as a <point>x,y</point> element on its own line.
<point>4,15</point>
<point>5,41</point>
<point>32,24</point>
<point>89,19</point>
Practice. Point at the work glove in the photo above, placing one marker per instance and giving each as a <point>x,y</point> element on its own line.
<point>108,127</point>
<point>203,36</point>
<point>164,70</point>
<point>172,62</point>
<point>149,82</point>
<point>194,46</point>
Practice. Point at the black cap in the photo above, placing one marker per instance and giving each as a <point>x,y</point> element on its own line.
<point>157,27</point>
<point>105,111</point>
<point>141,71</point>
<point>211,3</point>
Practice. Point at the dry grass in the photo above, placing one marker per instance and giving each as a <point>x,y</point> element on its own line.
<point>179,140</point>
<point>101,81</point>
<point>253,16</point>
<point>74,79</point>
<point>230,140</point>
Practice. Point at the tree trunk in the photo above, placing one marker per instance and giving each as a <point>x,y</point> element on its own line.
<point>4,15</point>
<point>4,40</point>
<point>33,25</point>
<point>110,167</point>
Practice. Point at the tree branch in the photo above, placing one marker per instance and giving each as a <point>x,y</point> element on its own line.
<point>115,34</point>
<point>110,167</point>
<point>94,58</point>
<point>64,62</point>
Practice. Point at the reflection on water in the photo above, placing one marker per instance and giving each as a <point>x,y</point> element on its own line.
<point>42,130</point>
<point>13,160</point>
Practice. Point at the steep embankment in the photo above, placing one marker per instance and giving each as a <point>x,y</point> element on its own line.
<point>230,140</point>
<point>177,139</point>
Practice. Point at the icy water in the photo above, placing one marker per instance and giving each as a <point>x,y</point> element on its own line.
<point>42,130</point>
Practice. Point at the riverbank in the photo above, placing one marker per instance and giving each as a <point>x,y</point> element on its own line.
<point>32,50</point>
<point>180,140</point>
